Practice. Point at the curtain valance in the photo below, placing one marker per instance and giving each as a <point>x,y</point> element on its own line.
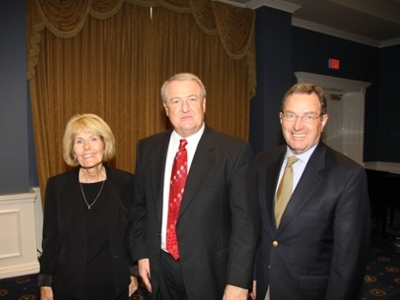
<point>66,19</point>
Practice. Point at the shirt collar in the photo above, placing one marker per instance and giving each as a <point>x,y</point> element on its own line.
<point>304,157</point>
<point>192,140</point>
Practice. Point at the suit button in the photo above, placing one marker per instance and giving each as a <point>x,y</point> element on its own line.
<point>269,267</point>
<point>275,243</point>
<point>115,256</point>
<point>157,257</point>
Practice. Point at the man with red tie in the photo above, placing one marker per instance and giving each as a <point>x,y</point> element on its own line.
<point>196,214</point>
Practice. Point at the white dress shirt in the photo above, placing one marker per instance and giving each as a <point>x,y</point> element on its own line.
<point>192,142</point>
<point>298,167</point>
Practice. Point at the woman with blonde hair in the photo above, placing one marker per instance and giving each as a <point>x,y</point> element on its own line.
<point>87,220</point>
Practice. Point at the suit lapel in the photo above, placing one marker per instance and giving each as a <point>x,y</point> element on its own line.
<point>201,161</point>
<point>157,166</point>
<point>308,183</point>
<point>271,185</point>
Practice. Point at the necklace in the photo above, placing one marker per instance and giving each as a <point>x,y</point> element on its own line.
<point>95,199</point>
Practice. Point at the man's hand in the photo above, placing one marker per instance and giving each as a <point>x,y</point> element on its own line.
<point>144,272</point>
<point>235,293</point>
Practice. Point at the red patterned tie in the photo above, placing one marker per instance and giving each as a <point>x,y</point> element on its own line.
<point>177,185</point>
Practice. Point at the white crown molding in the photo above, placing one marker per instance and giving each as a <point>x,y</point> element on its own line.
<point>277,4</point>
<point>343,34</point>
<point>392,42</point>
<point>379,9</point>
<point>291,8</point>
<point>334,32</point>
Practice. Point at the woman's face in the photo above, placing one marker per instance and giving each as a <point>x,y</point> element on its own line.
<point>88,149</point>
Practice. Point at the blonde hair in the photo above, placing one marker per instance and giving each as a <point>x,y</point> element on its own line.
<point>182,77</point>
<point>89,123</point>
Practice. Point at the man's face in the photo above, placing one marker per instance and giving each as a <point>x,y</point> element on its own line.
<point>300,134</point>
<point>185,107</point>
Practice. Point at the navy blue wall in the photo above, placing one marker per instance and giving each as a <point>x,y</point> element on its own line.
<point>14,157</point>
<point>388,129</point>
<point>311,52</point>
<point>274,69</point>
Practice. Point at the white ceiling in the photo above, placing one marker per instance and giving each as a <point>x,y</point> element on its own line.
<point>372,22</point>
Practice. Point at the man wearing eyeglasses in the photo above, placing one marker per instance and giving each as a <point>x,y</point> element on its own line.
<point>314,205</point>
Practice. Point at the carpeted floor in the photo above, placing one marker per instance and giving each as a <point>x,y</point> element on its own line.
<point>24,288</point>
<point>382,279</point>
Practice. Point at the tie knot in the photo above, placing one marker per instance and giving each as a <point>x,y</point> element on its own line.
<point>291,160</point>
<point>182,144</point>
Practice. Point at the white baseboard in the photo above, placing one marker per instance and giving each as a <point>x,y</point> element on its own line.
<point>19,270</point>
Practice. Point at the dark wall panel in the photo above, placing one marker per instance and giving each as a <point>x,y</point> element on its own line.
<point>388,138</point>
<point>273,52</point>
<point>311,52</point>
<point>14,175</point>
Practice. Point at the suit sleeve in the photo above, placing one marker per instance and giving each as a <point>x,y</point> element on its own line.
<point>51,245</point>
<point>138,241</point>
<point>130,187</point>
<point>245,218</point>
<point>351,239</point>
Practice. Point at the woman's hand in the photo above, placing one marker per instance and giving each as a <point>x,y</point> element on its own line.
<point>253,291</point>
<point>133,286</point>
<point>46,293</point>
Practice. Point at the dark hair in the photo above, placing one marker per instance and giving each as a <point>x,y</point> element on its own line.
<point>306,88</point>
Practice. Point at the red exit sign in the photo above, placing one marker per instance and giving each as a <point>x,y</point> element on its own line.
<point>334,63</point>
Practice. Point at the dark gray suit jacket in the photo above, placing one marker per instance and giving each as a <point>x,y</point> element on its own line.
<point>320,249</point>
<point>218,221</point>
<point>62,263</point>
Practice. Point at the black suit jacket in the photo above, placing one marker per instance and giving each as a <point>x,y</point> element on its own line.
<point>320,249</point>
<point>64,244</point>
<point>218,221</point>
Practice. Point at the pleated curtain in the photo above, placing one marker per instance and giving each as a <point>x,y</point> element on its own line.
<point>110,58</point>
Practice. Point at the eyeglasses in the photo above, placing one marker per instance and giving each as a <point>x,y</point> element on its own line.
<point>307,118</point>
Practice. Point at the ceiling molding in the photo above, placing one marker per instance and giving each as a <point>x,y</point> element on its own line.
<point>381,9</point>
<point>334,32</point>
<point>277,4</point>
<point>391,42</point>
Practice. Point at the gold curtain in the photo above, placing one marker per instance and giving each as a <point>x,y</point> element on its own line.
<point>110,58</point>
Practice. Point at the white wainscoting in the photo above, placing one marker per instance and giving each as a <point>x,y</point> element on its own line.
<point>18,234</point>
